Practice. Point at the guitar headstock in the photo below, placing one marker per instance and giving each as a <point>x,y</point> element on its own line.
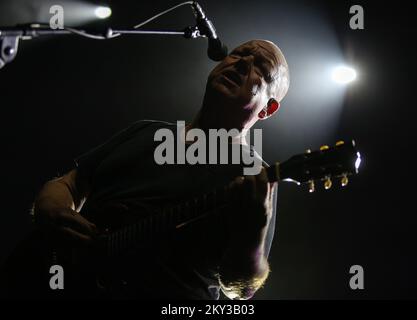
<point>325,164</point>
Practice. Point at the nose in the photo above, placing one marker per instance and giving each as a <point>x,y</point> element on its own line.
<point>244,64</point>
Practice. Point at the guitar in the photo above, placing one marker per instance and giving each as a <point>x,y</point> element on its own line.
<point>93,268</point>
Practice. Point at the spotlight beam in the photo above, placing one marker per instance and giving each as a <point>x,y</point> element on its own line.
<point>343,74</point>
<point>102,12</point>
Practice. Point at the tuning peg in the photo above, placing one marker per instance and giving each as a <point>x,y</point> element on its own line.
<point>339,143</point>
<point>311,186</point>
<point>345,180</point>
<point>327,183</point>
<point>324,148</point>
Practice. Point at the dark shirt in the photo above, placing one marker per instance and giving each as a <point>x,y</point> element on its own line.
<point>182,265</point>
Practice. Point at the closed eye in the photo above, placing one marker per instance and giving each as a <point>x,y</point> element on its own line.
<point>260,61</point>
<point>264,70</point>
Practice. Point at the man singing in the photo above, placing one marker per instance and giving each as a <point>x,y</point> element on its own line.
<point>227,253</point>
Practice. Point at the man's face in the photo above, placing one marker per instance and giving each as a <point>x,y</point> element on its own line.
<point>242,80</point>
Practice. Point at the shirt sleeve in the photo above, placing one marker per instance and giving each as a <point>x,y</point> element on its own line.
<point>88,162</point>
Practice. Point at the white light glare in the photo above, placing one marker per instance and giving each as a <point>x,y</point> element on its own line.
<point>343,74</point>
<point>358,161</point>
<point>102,12</point>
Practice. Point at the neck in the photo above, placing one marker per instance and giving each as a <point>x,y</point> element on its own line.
<point>206,121</point>
<point>210,116</point>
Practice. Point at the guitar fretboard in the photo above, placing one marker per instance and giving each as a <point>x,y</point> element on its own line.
<point>165,220</point>
<point>172,217</point>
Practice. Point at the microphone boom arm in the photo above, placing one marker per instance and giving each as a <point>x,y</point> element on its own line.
<point>10,36</point>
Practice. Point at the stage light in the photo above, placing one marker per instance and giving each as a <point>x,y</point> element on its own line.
<point>358,161</point>
<point>102,12</point>
<point>343,74</point>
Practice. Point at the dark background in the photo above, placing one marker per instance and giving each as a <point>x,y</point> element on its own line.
<point>62,96</point>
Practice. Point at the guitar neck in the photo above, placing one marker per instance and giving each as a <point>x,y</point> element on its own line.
<point>328,162</point>
<point>172,217</point>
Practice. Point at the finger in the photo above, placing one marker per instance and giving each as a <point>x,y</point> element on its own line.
<point>74,236</point>
<point>237,181</point>
<point>235,188</point>
<point>75,221</point>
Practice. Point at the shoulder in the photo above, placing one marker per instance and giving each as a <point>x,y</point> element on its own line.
<point>141,124</point>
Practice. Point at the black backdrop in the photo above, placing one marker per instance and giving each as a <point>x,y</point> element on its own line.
<point>64,95</point>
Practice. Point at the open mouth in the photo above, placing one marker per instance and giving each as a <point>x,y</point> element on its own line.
<point>233,77</point>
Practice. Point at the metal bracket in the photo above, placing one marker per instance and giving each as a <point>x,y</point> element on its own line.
<point>192,32</point>
<point>8,49</point>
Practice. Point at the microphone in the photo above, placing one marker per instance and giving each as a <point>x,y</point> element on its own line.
<point>216,50</point>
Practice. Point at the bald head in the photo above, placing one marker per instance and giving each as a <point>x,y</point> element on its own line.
<point>279,73</point>
<point>241,85</point>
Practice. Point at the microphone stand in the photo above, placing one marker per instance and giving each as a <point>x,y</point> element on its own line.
<point>10,36</point>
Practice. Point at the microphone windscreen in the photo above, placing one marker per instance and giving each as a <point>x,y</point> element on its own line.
<point>216,51</point>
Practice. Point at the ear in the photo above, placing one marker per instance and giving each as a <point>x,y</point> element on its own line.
<point>271,107</point>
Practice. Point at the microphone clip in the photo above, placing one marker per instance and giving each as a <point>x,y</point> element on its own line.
<point>192,32</point>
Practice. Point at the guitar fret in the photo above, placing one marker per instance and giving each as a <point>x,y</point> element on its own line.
<point>180,213</point>
<point>196,205</point>
<point>204,203</point>
<point>222,196</point>
<point>210,200</point>
<point>162,221</point>
<point>112,245</point>
<point>155,228</point>
<point>187,210</point>
<point>151,224</point>
<point>136,231</point>
<point>132,235</point>
<point>147,227</point>
<point>122,239</point>
<point>119,240</point>
<point>175,214</point>
<point>215,200</point>
<point>109,245</point>
<point>193,209</point>
<point>140,231</point>
<point>129,236</point>
<point>143,230</point>
<point>116,241</point>
<point>168,216</point>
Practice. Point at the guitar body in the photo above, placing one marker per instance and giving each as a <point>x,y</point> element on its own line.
<point>88,271</point>
<point>27,272</point>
